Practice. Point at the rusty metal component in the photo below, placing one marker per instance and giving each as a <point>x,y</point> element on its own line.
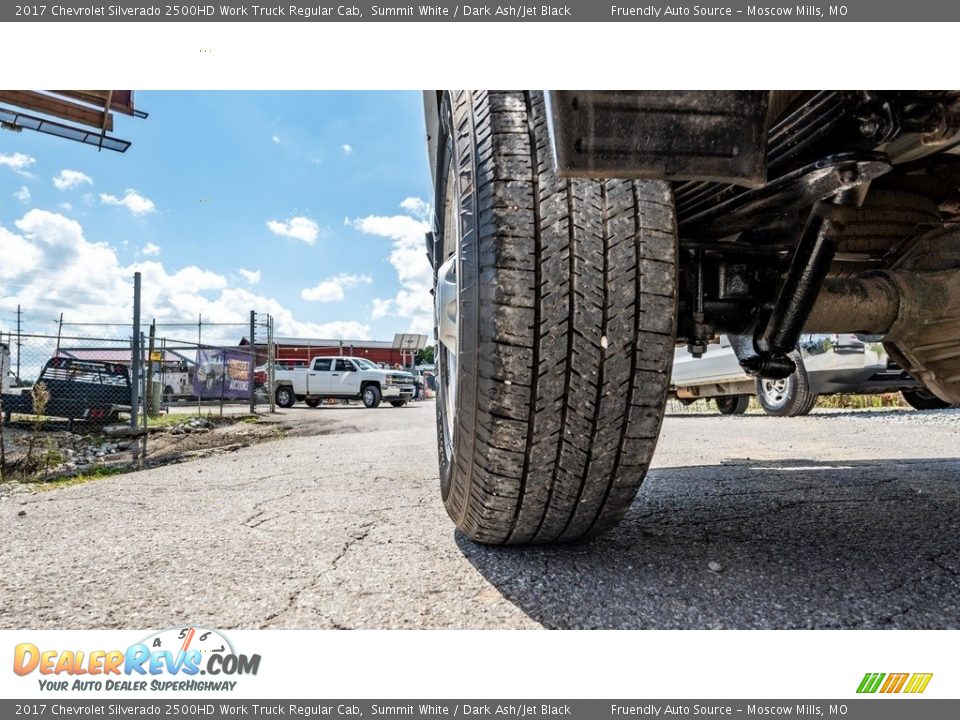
<point>755,209</point>
<point>867,305</point>
<point>927,330</point>
<point>918,313</point>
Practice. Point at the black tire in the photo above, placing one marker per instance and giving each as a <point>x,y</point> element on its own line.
<point>285,396</point>
<point>312,402</point>
<point>371,396</point>
<point>923,399</point>
<point>733,404</point>
<point>167,396</point>
<point>791,397</point>
<point>886,218</point>
<point>398,403</point>
<point>567,304</point>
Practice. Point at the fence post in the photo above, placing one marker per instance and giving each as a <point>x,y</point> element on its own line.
<point>196,366</point>
<point>137,350</point>
<point>149,384</point>
<point>144,413</point>
<point>253,360</point>
<point>271,364</point>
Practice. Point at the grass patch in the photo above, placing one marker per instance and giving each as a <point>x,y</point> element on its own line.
<point>81,478</point>
<point>175,419</point>
<point>862,402</point>
<point>171,419</point>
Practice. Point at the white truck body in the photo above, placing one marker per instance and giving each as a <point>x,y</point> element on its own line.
<point>342,377</point>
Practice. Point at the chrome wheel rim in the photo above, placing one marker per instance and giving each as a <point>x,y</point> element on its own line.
<point>775,391</point>
<point>447,313</point>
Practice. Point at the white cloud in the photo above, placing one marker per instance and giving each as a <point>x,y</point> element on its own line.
<point>381,308</point>
<point>276,139</point>
<point>18,162</point>
<point>347,149</point>
<point>408,257</point>
<point>150,249</point>
<point>417,207</point>
<point>131,200</point>
<point>298,228</point>
<point>69,179</point>
<point>51,267</point>
<point>332,289</point>
<point>23,194</point>
<point>65,206</point>
<point>251,276</point>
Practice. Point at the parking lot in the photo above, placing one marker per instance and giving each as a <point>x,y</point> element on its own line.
<point>846,519</point>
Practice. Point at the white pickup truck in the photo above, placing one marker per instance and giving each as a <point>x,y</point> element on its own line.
<point>342,377</point>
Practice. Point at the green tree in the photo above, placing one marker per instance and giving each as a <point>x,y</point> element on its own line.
<point>425,356</point>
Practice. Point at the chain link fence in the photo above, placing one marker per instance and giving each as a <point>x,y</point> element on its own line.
<point>89,398</point>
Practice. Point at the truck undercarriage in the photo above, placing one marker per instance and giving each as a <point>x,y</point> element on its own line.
<point>580,235</point>
<point>845,229</point>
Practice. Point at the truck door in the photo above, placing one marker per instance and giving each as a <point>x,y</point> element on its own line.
<point>319,381</point>
<point>346,379</point>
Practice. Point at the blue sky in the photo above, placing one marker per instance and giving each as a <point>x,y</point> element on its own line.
<point>308,205</point>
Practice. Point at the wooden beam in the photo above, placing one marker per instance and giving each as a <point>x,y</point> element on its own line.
<point>120,100</point>
<point>60,108</point>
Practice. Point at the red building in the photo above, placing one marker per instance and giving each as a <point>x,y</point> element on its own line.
<point>297,352</point>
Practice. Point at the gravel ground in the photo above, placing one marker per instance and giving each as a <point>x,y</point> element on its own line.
<point>843,519</point>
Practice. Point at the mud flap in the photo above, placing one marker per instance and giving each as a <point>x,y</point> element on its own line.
<point>652,134</point>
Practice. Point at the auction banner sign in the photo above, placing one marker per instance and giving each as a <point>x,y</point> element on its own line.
<point>222,373</point>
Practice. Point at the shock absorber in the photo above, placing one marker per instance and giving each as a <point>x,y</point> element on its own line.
<point>808,269</point>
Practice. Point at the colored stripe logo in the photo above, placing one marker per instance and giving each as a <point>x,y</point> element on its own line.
<point>912,683</point>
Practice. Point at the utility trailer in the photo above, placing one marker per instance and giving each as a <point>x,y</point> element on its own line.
<point>78,389</point>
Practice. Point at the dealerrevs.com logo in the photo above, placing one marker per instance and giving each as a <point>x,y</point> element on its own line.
<point>910,683</point>
<point>168,660</point>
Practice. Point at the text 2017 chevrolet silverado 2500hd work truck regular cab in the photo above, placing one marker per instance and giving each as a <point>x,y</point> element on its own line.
<point>579,236</point>
<point>343,377</point>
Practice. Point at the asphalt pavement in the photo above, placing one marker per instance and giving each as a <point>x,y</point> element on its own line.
<point>836,520</point>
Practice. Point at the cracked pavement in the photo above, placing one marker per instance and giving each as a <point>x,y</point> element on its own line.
<point>836,520</point>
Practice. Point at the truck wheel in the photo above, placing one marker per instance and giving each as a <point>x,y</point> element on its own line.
<point>285,397</point>
<point>371,396</point>
<point>733,404</point>
<point>555,307</point>
<point>789,397</point>
<point>312,402</point>
<point>167,395</point>
<point>924,400</point>
<point>398,403</point>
